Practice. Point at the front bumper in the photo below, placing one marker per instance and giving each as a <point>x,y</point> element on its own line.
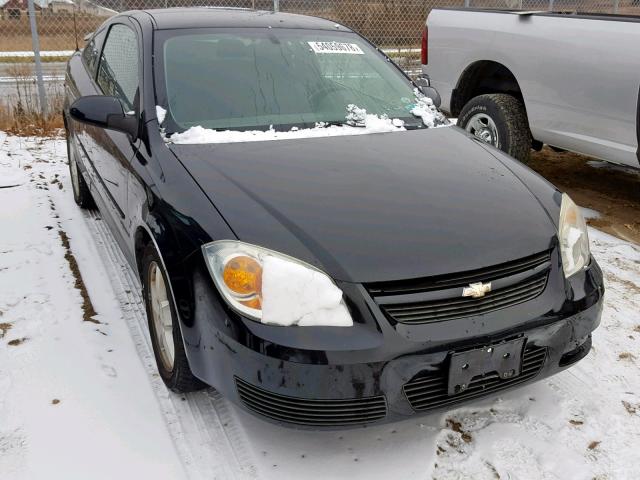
<point>369,378</point>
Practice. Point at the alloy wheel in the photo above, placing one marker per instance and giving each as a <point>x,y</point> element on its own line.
<point>484,128</point>
<point>161,313</point>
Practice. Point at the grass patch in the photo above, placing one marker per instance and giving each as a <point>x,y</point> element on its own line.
<point>19,110</point>
<point>55,32</point>
<point>457,427</point>
<point>4,328</point>
<point>17,341</point>
<point>17,122</point>
<point>631,409</point>
<point>88,312</point>
<point>43,59</point>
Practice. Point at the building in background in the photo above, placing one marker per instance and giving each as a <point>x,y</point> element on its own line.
<point>60,7</point>
<point>87,7</point>
<point>15,9</point>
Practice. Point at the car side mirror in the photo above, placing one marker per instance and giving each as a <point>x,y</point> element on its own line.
<point>424,85</point>
<point>104,112</point>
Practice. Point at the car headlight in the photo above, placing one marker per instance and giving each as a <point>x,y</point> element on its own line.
<point>273,288</point>
<point>574,240</point>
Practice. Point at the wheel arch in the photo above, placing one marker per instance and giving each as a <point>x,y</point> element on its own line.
<point>157,233</point>
<point>180,295</point>
<point>481,77</point>
<point>141,238</point>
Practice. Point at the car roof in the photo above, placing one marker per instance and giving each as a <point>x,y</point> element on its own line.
<point>202,17</point>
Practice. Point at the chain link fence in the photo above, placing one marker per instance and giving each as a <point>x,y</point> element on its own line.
<point>63,23</point>
<point>394,25</point>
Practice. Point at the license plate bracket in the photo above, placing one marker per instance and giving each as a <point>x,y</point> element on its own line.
<point>504,358</point>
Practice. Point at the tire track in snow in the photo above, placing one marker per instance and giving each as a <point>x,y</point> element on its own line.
<point>202,425</point>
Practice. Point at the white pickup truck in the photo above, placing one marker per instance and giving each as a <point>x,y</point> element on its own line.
<point>523,79</point>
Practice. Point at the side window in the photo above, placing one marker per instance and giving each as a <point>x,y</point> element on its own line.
<point>91,53</point>
<point>118,69</point>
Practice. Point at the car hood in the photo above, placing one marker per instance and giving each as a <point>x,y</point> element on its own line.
<point>374,207</point>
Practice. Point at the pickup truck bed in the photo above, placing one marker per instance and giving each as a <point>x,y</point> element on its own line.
<point>575,79</point>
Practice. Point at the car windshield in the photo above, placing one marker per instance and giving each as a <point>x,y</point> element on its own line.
<point>244,79</point>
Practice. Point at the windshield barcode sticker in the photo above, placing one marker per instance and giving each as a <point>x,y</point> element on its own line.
<point>336,47</point>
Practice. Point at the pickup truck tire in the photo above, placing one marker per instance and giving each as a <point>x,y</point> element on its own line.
<point>510,130</point>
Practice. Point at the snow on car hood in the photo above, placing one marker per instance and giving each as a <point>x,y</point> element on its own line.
<point>381,207</point>
<point>358,122</point>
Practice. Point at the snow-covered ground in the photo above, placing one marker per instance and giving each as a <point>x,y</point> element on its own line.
<point>82,400</point>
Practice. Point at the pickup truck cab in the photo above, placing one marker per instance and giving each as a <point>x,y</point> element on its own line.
<point>523,79</point>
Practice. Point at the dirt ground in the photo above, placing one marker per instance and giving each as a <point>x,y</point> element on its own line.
<point>611,190</point>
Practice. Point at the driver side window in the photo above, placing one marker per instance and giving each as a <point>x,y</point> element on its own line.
<point>118,68</point>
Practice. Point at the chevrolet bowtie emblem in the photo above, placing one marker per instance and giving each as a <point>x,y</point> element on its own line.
<point>476,290</point>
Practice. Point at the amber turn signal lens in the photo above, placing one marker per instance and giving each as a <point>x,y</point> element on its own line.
<point>254,302</point>
<point>243,276</point>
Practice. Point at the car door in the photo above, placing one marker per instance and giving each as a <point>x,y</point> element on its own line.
<point>110,152</point>
<point>79,82</point>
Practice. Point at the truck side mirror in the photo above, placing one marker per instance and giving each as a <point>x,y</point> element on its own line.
<point>424,85</point>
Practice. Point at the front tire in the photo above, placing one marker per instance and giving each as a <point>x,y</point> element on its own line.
<point>500,120</point>
<point>164,326</point>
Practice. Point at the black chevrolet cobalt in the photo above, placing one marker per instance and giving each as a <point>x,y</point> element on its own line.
<point>313,238</point>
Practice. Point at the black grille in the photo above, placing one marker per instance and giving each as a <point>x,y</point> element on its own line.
<point>428,392</point>
<point>404,287</point>
<point>459,307</point>
<point>313,412</point>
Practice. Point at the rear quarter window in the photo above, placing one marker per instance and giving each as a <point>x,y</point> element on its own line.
<point>91,53</point>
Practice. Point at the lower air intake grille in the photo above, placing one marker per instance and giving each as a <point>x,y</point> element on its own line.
<point>312,412</point>
<point>429,392</point>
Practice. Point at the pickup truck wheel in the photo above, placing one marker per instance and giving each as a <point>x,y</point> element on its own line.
<point>164,328</point>
<point>500,120</point>
<point>81,193</point>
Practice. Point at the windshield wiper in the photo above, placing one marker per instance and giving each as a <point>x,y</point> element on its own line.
<point>339,123</point>
<point>414,125</point>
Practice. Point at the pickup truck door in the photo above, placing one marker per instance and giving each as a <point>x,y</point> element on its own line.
<point>579,78</point>
<point>638,128</point>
